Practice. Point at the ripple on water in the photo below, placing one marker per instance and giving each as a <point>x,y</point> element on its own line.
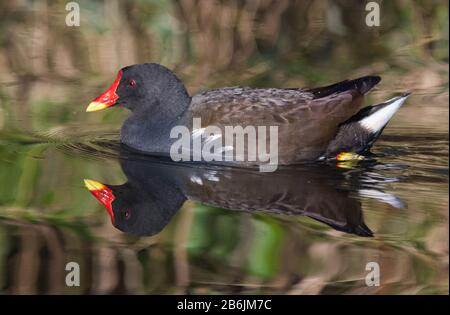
<point>89,142</point>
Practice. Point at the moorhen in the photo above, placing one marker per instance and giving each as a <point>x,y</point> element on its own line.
<point>157,187</point>
<point>317,123</point>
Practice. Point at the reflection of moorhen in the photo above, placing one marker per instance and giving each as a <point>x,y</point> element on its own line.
<point>157,188</point>
<point>312,123</point>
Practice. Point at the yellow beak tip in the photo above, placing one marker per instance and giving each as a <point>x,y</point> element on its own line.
<point>95,106</point>
<point>93,185</point>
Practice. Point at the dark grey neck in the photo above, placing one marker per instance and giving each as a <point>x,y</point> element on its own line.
<point>148,128</point>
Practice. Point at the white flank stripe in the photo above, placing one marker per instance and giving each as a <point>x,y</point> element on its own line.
<point>212,138</point>
<point>198,132</point>
<point>197,180</point>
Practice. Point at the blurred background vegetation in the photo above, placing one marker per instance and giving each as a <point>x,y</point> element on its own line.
<point>49,72</point>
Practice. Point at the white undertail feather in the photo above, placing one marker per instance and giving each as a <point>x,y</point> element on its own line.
<point>376,121</point>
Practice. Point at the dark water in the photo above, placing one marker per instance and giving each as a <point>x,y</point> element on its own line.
<point>304,229</point>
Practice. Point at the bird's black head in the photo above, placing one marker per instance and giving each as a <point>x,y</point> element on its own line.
<point>149,86</point>
<point>135,210</point>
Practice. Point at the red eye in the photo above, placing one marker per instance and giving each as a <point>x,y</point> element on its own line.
<point>132,83</point>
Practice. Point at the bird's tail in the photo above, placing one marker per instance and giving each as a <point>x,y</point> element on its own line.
<point>361,85</point>
<point>357,134</point>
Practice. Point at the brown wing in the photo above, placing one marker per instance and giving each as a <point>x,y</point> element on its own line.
<point>307,120</point>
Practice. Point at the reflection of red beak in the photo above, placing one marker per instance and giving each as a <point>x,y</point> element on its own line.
<point>107,98</point>
<point>103,193</point>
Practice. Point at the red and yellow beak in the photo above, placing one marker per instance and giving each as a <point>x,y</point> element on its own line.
<point>107,98</point>
<point>103,193</point>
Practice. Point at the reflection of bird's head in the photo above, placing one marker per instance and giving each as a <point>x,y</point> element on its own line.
<point>136,210</point>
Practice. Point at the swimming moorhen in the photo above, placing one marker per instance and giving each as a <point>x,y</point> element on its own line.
<point>312,124</point>
<point>157,187</point>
